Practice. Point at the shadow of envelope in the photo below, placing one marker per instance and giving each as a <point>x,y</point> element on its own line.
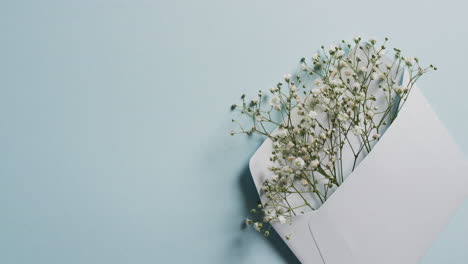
<point>391,208</point>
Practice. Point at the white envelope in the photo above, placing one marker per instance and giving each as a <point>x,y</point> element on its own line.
<point>391,208</point>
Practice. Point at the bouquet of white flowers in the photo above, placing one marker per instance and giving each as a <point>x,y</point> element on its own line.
<point>338,105</point>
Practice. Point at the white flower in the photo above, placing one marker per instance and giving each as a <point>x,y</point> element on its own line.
<point>275,177</point>
<point>287,77</point>
<point>318,82</point>
<point>376,136</point>
<point>370,114</point>
<point>372,40</point>
<point>299,163</point>
<point>323,135</point>
<point>314,163</point>
<point>336,82</point>
<point>315,56</point>
<point>256,226</point>
<point>398,89</point>
<point>332,48</point>
<point>293,88</point>
<point>276,102</point>
<point>357,39</point>
<point>342,116</point>
<point>348,72</point>
<point>267,218</point>
<point>303,67</point>
<point>248,222</point>
<point>316,91</point>
<point>340,53</point>
<point>342,64</point>
<point>356,85</point>
<point>340,90</point>
<point>282,219</point>
<point>259,118</point>
<point>357,130</point>
<point>375,76</point>
<point>410,60</point>
<point>312,114</point>
<point>304,182</point>
<point>325,101</point>
<point>363,69</point>
<point>280,133</point>
<point>361,96</point>
<point>255,100</point>
<point>299,99</point>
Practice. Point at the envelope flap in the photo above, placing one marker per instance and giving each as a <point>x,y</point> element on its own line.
<point>393,205</point>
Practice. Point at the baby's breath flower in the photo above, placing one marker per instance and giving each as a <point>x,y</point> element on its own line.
<point>276,102</point>
<point>336,82</point>
<point>316,91</point>
<point>312,114</point>
<point>257,226</point>
<point>306,150</point>
<point>348,72</point>
<point>299,163</point>
<point>361,96</point>
<point>281,219</point>
<point>318,82</point>
<point>314,163</point>
<point>357,130</point>
<point>357,39</point>
<point>342,116</point>
<point>398,89</point>
<point>410,61</point>
<point>370,114</point>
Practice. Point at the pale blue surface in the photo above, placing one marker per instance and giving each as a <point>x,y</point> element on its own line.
<point>114,119</point>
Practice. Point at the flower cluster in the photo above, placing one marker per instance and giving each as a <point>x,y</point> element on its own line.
<point>338,105</point>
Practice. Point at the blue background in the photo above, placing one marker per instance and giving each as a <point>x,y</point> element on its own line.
<point>114,119</point>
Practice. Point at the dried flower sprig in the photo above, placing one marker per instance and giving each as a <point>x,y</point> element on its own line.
<point>323,120</point>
